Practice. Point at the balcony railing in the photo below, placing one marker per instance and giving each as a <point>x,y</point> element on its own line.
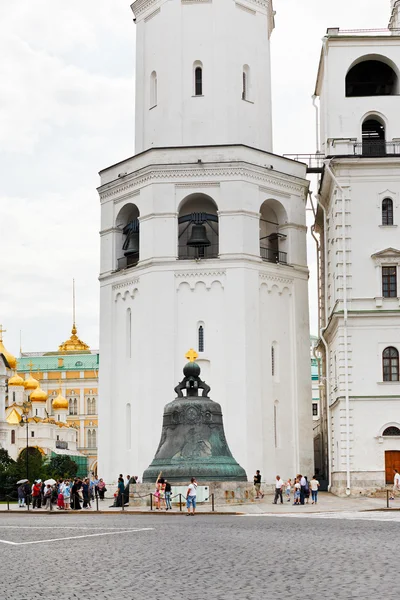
<point>376,148</point>
<point>126,262</point>
<point>273,256</point>
<point>186,252</point>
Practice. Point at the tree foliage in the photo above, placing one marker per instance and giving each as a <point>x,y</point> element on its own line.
<point>62,466</point>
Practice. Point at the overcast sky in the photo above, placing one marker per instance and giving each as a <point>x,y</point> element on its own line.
<point>66,111</point>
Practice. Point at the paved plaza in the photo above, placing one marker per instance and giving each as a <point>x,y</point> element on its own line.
<point>215,557</point>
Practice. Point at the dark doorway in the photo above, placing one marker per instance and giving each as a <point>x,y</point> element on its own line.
<point>373,138</point>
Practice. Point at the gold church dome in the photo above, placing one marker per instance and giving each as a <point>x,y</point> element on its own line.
<point>38,395</point>
<point>16,380</point>
<point>60,403</point>
<point>74,344</point>
<point>12,361</point>
<point>31,383</point>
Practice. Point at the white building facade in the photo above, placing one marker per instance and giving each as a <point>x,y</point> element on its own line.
<point>203,245</point>
<point>358,219</point>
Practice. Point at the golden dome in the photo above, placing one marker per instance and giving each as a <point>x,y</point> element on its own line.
<point>12,361</point>
<point>31,383</point>
<point>74,344</point>
<point>16,380</point>
<point>38,395</point>
<point>60,403</point>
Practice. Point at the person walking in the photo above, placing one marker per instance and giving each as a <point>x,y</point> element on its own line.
<point>66,491</point>
<point>47,497</point>
<point>86,493</point>
<point>102,489</point>
<point>297,487</point>
<point>21,495</point>
<point>36,490</point>
<point>75,494</point>
<point>121,489</point>
<point>278,489</point>
<point>257,485</point>
<point>191,497</point>
<point>307,490</point>
<point>288,489</point>
<point>396,483</point>
<point>303,483</point>
<point>314,484</point>
<point>167,495</point>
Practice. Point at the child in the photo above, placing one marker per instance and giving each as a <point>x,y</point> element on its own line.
<point>288,489</point>
<point>297,487</point>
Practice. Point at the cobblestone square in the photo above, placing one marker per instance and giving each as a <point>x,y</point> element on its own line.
<point>214,557</point>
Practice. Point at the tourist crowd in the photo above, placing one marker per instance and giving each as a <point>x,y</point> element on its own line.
<point>300,487</point>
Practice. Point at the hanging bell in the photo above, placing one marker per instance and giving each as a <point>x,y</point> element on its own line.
<point>198,238</point>
<point>131,244</point>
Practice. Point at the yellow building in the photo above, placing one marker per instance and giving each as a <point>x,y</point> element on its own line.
<point>73,369</point>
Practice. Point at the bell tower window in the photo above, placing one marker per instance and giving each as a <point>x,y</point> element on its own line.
<point>198,78</point>
<point>387,211</point>
<point>127,237</point>
<point>373,138</point>
<point>201,338</point>
<point>198,232</point>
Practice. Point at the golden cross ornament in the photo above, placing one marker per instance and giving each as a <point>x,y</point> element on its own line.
<point>191,355</point>
<point>30,365</point>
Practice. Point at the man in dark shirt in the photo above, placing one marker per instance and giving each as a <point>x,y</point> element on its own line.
<point>257,485</point>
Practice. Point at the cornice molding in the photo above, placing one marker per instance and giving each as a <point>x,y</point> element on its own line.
<point>238,212</point>
<point>155,173</point>
<point>186,274</point>
<point>275,278</point>
<point>125,284</point>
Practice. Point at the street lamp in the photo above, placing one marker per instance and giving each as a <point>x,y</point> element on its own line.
<point>24,421</point>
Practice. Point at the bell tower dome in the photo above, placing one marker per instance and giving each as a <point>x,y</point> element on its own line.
<point>203,73</point>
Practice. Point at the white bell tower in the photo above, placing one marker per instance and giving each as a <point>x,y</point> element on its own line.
<point>394,22</point>
<point>203,73</point>
<point>203,245</point>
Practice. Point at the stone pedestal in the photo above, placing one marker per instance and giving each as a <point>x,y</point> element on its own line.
<point>225,492</point>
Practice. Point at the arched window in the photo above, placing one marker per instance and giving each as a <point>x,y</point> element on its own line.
<point>245,82</point>
<point>390,358</point>
<point>127,237</point>
<point>371,78</point>
<point>91,403</point>
<point>129,333</point>
<point>198,232</point>
<point>201,338</point>
<point>387,211</point>
<point>391,431</point>
<point>373,137</point>
<point>92,438</point>
<point>272,361</point>
<point>13,436</point>
<point>153,89</point>
<point>198,79</point>
<point>71,407</point>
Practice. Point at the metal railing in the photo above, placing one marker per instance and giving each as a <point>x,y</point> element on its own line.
<point>51,502</point>
<point>273,256</point>
<point>376,148</point>
<point>314,162</point>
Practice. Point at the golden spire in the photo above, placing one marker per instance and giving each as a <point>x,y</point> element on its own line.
<point>12,361</point>
<point>74,344</point>
<point>31,383</point>
<point>192,355</point>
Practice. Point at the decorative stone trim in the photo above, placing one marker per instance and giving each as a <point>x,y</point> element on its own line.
<point>153,14</point>
<point>109,230</point>
<point>196,1</point>
<point>204,184</point>
<point>185,274</point>
<point>141,6</point>
<point>245,8</point>
<point>267,190</point>
<point>120,286</point>
<point>154,173</point>
<point>275,278</point>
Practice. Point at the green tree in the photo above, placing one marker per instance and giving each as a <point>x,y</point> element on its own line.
<point>62,466</point>
<point>37,465</point>
<point>7,474</point>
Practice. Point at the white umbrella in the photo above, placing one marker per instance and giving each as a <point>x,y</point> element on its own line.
<point>50,482</point>
<point>22,481</point>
